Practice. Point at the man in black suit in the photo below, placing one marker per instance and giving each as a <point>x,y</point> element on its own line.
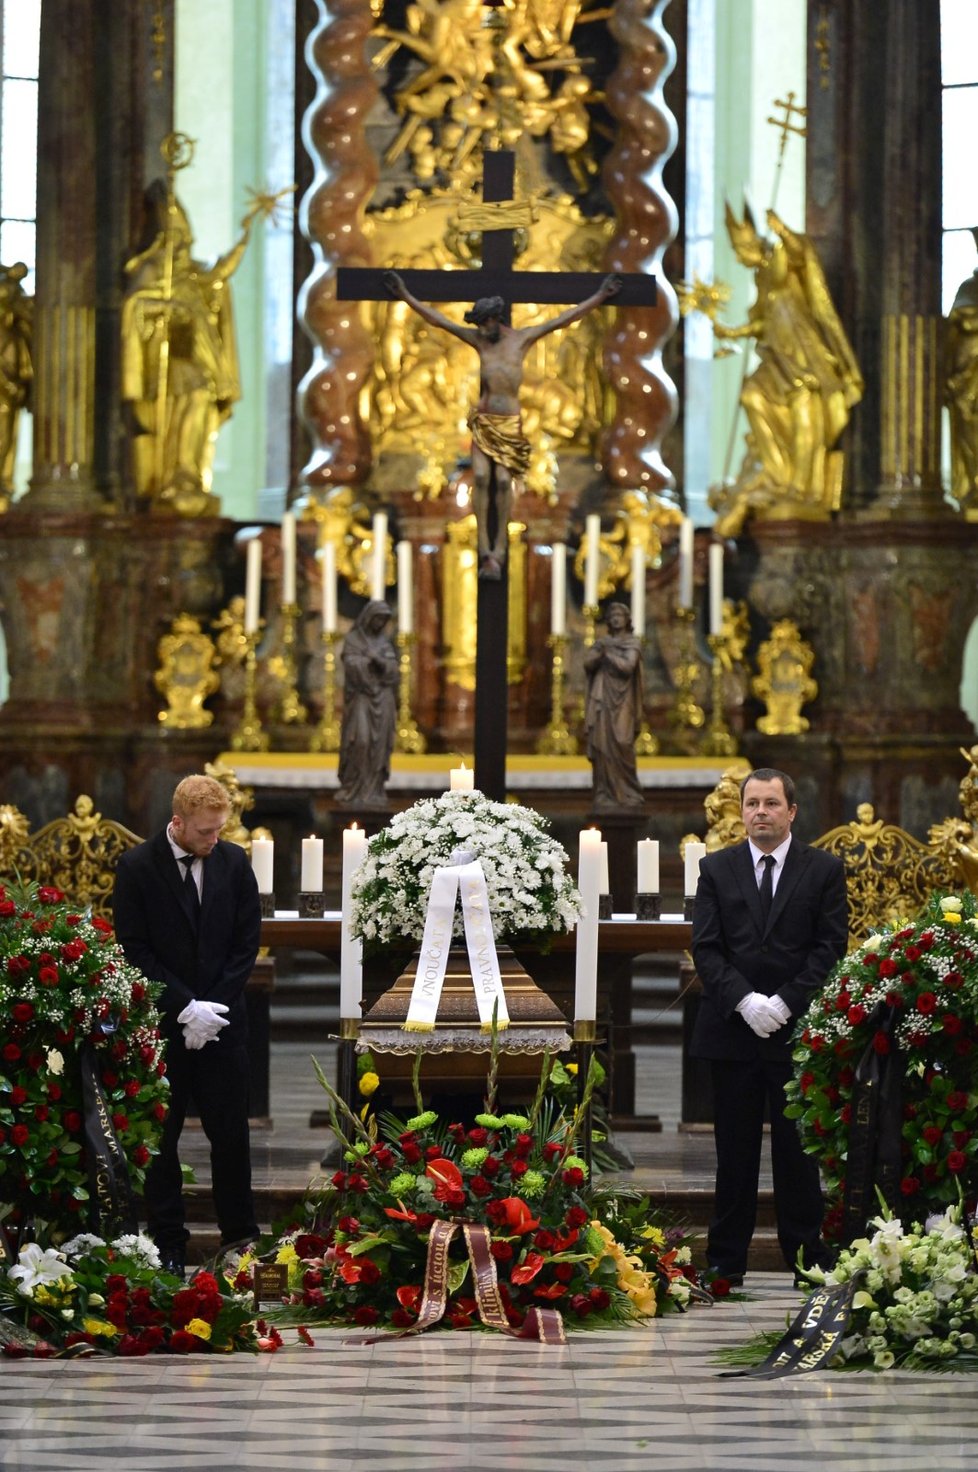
<point>187,913</point>
<point>770,921</point>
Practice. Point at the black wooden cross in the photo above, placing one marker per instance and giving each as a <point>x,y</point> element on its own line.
<point>496,278</point>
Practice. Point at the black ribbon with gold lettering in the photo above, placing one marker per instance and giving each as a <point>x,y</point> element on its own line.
<point>112,1210</point>
<point>813,1338</point>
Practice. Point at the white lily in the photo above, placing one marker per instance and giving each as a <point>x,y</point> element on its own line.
<point>37,1267</point>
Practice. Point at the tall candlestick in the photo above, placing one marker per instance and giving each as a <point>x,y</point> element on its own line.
<point>648,866</point>
<point>638,590</point>
<point>329,587</point>
<point>716,587</point>
<point>311,881</point>
<point>558,590</point>
<point>405,590</point>
<point>288,557</point>
<point>686,563</point>
<point>691,866</point>
<point>461,779</point>
<point>252,586</point>
<point>263,863</point>
<point>378,564</point>
<point>586,939</point>
<point>351,947</point>
<point>592,546</point>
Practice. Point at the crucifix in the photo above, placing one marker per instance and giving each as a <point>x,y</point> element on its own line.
<point>496,279</point>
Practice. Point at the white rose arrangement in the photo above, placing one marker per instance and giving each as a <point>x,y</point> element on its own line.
<point>531,895</point>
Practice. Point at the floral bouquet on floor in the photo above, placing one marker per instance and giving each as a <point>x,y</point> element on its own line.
<point>432,1222</point>
<point>911,994</point>
<point>531,896</point>
<point>67,995</point>
<point>92,1296</point>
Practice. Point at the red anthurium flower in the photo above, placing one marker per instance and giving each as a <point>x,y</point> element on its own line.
<point>528,1268</point>
<point>409,1296</point>
<point>446,1176</point>
<point>518,1216</point>
<point>550,1290</point>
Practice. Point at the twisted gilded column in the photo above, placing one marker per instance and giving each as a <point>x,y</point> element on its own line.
<point>645,395</point>
<point>331,218</point>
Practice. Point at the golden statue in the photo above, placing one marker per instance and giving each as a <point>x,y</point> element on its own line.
<point>798,397</point>
<point>16,367</point>
<point>961,393</point>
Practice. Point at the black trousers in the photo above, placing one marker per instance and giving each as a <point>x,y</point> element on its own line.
<point>740,1093</point>
<point>216,1078</point>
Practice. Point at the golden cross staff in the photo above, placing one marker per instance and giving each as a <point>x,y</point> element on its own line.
<point>177,151</point>
<point>786,125</point>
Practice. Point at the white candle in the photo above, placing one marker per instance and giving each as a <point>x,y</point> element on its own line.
<point>378,564</point>
<point>405,589</point>
<point>558,591</point>
<point>252,586</point>
<point>716,587</point>
<point>461,779</point>
<point>288,557</point>
<point>329,587</point>
<point>263,863</point>
<point>686,563</point>
<point>586,939</point>
<point>605,883</point>
<point>648,866</point>
<point>592,550</point>
<point>638,590</point>
<point>311,881</point>
<point>351,947</point>
<point>693,853</point>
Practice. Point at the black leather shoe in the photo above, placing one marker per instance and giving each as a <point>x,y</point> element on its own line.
<point>173,1261</point>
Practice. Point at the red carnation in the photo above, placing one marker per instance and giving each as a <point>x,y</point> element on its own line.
<point>912,953</point>
<point>479,1186</point>
<point>502,1251</point>
<point>856,1014</point>
<point>518,1167</point>
<point>576,1216</point>
<point>888,967</point>
<point>490,1166</point>
<point>7,907</point>
<point>573,1177</point>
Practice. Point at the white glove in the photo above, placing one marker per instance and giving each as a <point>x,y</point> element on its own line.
<point>202,1021</point>
<point>780,1007</point>
<point>760,1016</point>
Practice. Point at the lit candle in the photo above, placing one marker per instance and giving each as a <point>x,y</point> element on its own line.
<point>693,853</point>
<point>638,590</point>
<point>558,591</point>
<point>311,881</point>
<point>329,587</point>
<point>592,550</point>
<point>716,587</point>
<point>351,947</point>
<point>262,862</point>
<point>686,563</point>
<point>252,586</point>
<point>288,557</point>
<point>405,591</point>
<point>378,564</point>
<point>461,779</point>
<point>648,866</point>
<point>586,939</point>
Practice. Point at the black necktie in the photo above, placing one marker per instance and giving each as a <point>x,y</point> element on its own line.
<point>766,887</point>
<point>190,884</point>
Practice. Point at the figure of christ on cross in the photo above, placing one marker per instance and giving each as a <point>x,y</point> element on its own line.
<point>500,454</point>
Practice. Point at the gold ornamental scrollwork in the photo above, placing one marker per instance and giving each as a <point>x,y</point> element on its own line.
<point>784,680</point>
<point>186,675</point>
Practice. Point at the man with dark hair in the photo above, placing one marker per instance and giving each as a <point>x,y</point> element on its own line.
<point>187,913</point>
<point>500,453</point>
<point>769,923</point>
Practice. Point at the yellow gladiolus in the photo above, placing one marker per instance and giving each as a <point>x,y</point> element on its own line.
<point>369,1084</point>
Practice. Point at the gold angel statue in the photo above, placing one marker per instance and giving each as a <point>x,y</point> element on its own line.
<point>799,395</point>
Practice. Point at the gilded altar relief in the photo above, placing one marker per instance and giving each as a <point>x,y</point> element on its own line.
<point>457,79</point>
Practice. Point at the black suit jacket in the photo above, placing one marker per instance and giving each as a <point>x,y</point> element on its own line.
<point>155,926</point>
<point>735,953</point>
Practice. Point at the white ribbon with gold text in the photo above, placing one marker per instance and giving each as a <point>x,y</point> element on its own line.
<point>468,880</point>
